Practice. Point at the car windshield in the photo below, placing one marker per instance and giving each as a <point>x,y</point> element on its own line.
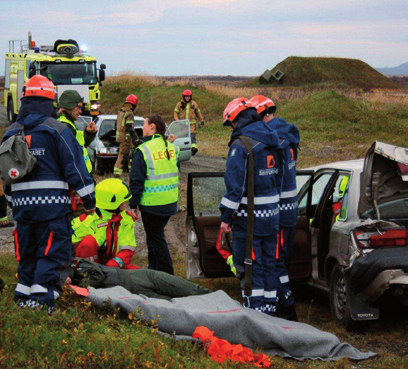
<point>106,126</point>
<point>397,209</point>
<point>73,73</point>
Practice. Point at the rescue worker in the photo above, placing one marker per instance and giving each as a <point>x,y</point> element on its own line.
<point>288,203</point>
<point>154,179</point>
<point>187,108</point>
<point>4,220</point>
<point>108,235</point>
<point>147,282</point>
<point>40,200</point>
<point>70,107</point>
<point>125,134</point>
<point>241,115</point>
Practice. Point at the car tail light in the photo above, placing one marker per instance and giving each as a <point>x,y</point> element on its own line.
<point>403,169</point>
<point>389,237</point>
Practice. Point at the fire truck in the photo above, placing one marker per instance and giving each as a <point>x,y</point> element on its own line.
<point>67,65</point>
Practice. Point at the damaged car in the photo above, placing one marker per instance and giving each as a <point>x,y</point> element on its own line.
<point>351,236</point>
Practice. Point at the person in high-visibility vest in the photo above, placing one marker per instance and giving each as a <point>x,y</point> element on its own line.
<point>107,236</point>
<point>187,108</point>
<point>125,134</point>
<point>154,180</point>
<point>70,107</point>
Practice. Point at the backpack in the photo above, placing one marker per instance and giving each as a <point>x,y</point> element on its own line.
<point>16,160</point>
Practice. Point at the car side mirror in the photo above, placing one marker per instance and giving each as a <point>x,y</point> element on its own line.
<point>101,76</point>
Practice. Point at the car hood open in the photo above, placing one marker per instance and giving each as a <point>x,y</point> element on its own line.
<point>384,177</point>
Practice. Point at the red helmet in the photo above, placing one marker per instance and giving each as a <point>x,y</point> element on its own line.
<point>187,93</point>
<point>39,86</point>
<point>234,108</point>
<point>132,99</point>
<point>263,105</point>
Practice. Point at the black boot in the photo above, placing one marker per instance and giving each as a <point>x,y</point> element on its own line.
<point>288,313</point>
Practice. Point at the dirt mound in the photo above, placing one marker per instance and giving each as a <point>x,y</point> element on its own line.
<point>300,71</point>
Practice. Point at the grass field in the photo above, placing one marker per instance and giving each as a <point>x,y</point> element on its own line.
<point>335,124</point>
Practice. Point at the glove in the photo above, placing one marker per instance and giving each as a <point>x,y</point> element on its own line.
<point>202,124</point>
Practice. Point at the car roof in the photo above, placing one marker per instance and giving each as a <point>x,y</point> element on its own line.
<point>114,116</point>
<point>352,165</point>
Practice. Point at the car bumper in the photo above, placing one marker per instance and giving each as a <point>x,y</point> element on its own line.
<point>379,271</point>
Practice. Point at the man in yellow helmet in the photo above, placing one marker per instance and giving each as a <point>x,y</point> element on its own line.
<point>108,235</point>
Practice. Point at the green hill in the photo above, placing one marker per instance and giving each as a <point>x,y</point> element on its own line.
<point>300,71</point>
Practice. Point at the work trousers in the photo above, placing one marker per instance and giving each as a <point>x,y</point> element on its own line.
<point>286,237</point>
<point>158,250</point>
<point>264,279</point>
<point>44,252</point>
<point>124,155</point>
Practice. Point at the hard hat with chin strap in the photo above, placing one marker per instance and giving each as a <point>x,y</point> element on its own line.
<point>111,193</point>
<point>263,105</point>
<point>39,86</point>
<point>235,107</point>
<point>132,99</point>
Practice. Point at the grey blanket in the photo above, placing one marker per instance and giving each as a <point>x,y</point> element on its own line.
<point>231,321</point>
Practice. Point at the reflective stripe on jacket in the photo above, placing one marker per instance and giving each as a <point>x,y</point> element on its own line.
<point>161,185</point>
<point>189,111</point>
<point>79,135</point>
<point>112,232</point>
<point>125,116</point>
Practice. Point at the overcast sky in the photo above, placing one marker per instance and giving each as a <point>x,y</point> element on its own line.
<point>213,37</point>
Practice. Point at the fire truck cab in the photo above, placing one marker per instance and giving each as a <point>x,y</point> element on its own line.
<point>64,63</point>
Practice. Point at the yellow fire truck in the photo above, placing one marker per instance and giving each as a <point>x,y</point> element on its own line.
<point>64,63</point>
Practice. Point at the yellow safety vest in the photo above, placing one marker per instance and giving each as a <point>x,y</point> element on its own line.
<point>96,226</point>
<point>161,185</point>
<point>79,135</point>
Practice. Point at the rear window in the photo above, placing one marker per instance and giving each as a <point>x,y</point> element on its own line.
<point>397,209</point>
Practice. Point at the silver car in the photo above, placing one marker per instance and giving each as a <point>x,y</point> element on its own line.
<point>103,151</point>
<point>351,237</point>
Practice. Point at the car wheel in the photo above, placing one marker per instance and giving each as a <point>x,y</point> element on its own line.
<point>338,298</point>
<point>10,111</point>
<point>97,166</point>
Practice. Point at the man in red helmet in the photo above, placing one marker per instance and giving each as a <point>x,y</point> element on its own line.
<point>288,202</point>
<point>187,108</point>
<point>125,134</point>
<point>254,245</point>
<point>40,200</point>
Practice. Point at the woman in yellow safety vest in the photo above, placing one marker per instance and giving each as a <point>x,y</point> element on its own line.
<point>154,179</point>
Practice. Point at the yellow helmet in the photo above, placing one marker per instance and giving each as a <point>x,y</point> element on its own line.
<point>111,193</point>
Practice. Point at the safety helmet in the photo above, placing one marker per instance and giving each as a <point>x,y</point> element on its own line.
<point>132,99</point>
<point>187,93</point>
<point>263,105</point>
<point>235,107</point>
<point>39,86</point>
<point>111,193</point>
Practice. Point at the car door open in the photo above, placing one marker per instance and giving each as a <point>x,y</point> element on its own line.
<point>181,129</point>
